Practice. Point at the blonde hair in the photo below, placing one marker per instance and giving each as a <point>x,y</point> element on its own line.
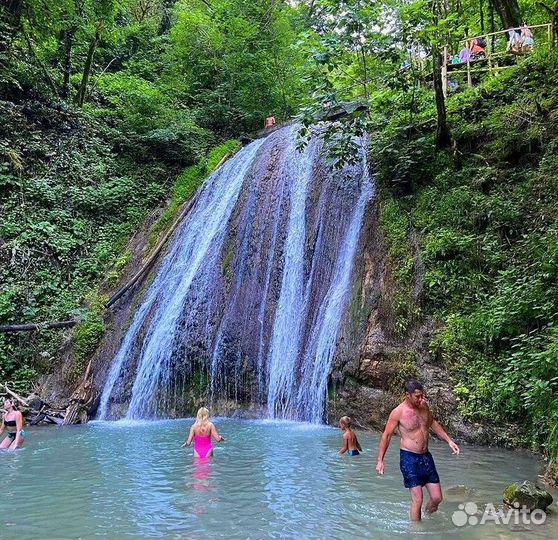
<point>346,421</point>
<point>203,416</point>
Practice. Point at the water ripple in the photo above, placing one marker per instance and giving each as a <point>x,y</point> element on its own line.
<point>131,480</point>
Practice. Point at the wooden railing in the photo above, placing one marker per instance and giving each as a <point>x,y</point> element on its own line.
<point>492,57</point>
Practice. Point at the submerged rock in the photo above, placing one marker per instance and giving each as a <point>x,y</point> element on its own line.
<point>459,493</point>
<point>527,495</point>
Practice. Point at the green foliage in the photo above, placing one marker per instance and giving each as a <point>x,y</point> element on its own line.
<point>488,240</point>
<point>188,182</point>
<point>68,205</point>
<point>394,220</point>
<point>88,335</point>
<point>405,368</point>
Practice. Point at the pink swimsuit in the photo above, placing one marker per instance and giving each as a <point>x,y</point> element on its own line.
<point>203,445</point>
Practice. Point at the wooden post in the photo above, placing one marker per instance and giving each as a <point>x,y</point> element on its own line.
<point>445,72</point>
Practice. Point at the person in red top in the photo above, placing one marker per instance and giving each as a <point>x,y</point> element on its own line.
<point>270,121</point>
<point>478,47</point>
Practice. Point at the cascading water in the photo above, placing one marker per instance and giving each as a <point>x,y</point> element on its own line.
<point>248,303</point>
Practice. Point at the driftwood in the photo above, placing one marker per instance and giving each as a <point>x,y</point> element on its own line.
<point>15,396</point>
<point>81,400</point>
<point>54,420</point>
<point>36,327</point>
<point>37,419</point>
<point>35,410</point>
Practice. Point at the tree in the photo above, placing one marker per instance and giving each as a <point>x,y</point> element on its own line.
<point>553,12</point>
<point>443,135</point>
<point>509,12</point>
<point>101,13</point>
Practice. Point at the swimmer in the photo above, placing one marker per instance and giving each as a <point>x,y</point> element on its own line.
<point>13,422</point>
<point>350,441</point>
<point>202,433</point>
<point>414,420</point>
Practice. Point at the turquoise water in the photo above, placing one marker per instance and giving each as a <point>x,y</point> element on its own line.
<point>268,480</point>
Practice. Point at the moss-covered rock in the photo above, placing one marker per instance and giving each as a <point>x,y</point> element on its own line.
<point>527,495</point>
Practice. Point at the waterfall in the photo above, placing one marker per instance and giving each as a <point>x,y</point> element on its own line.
<point>248,302</point>
<point>204,227</point>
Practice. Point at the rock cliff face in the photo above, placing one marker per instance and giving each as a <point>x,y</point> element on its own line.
<point>373,363</point>
<point>370,363</point>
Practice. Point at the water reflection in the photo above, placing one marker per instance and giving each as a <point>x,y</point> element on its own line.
<point>202,473</point>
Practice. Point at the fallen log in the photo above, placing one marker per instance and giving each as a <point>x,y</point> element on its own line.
<point>80,400</point>
<point>32,327</point>
<point>15,396</point>
<point>54,420</point>
<point>37,419</point>
<point>149,263</point>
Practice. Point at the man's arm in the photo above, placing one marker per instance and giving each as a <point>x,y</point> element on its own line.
<point>441,433</point>
<point>392,423</point>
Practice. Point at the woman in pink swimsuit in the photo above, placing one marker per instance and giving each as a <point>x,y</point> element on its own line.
<point>202,433</point>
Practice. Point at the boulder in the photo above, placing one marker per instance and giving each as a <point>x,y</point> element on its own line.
<point>527,495</point>
<point>368,407</point>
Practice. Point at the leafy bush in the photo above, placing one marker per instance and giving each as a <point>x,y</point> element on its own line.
<point>482,217</point>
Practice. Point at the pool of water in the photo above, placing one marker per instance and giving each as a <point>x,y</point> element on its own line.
<point>269,480</point>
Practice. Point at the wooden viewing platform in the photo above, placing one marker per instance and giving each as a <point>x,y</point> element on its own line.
<point>493,61</point>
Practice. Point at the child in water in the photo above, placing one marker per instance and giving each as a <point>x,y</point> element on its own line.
<point>202,433</point>
<point>350,441</point>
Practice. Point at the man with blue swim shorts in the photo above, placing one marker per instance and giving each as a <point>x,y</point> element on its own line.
<point>414,420</point>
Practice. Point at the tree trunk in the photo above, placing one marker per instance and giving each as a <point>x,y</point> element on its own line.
<point>67,44</point>
<point>10,16</point>
<point>443,135</point>
<point>492,26</point>
<point>87,68</point>
<point>553,12</point>
<point>509,13</point>
<point>166,18</point>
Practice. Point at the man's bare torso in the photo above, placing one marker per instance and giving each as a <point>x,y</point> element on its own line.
<point>414,425</point>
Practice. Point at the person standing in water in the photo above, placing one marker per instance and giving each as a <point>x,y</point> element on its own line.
<point>350,441</point>
<point>202,432</point>
<point>414,421</point>
<point>13,422</point>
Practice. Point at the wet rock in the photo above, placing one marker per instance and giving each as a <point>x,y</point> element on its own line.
<point>459,493</point>
<point>369,407</point>
<point>527,495</point>
<point>251,413</point>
